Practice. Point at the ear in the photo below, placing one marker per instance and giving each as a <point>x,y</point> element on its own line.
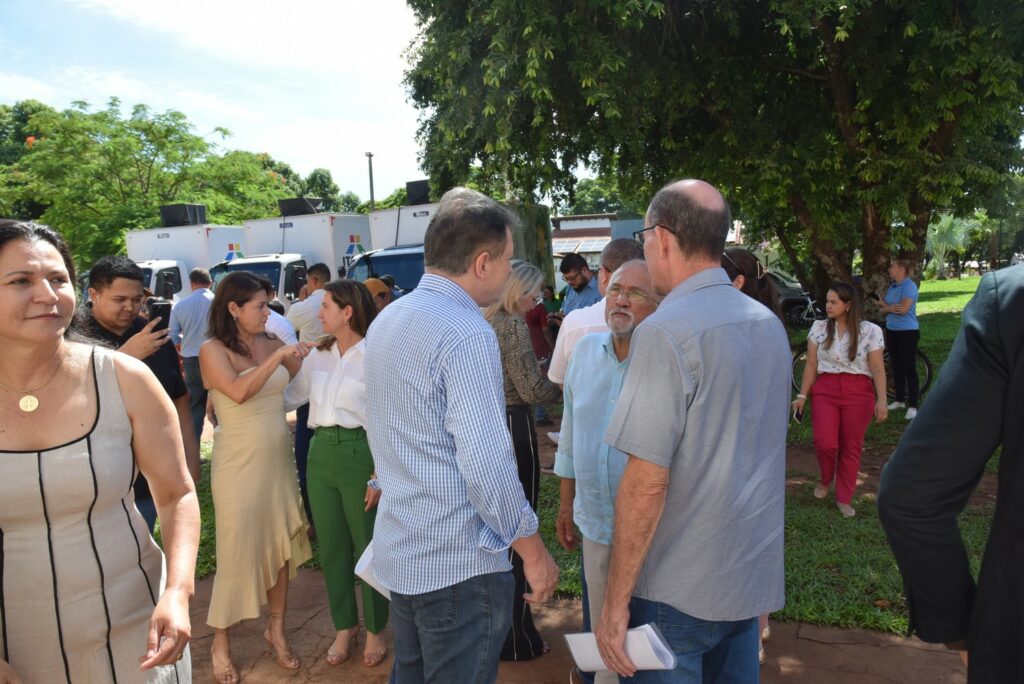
<point>233,309</point>
<point>348,312</point>
<point>739,282</point>
<point>481,264</point>
<point>663,241</point>
<point>93,292</point>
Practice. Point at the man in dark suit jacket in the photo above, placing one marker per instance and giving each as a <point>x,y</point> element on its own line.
<point>976,406</point>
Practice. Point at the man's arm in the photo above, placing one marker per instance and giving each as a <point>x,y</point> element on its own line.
<point>565,469</point>
<point>938,463</point>
<point>471,374</point>
<point>638,508</point>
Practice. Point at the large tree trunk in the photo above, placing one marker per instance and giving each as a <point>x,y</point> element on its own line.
<point>876,258</point>
<point>799,270</point>
<point>829,263</point>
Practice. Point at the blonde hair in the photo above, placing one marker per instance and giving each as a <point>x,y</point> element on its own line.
<point>524,279</point>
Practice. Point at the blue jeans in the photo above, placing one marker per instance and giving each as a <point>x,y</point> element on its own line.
<point>452,634</point>
<point>196,394</point>
<point>720,652</point>
<point>303,436</point>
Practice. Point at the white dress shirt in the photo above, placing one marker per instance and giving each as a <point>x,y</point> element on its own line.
<point>334,386</point>
<point>281,328</point>
<point>303,317</point>
<point>589,319</point>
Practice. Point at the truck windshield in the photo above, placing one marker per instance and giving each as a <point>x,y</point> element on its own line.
<point>406,268</point>
<point>270,270</point>
<point>147,273</point>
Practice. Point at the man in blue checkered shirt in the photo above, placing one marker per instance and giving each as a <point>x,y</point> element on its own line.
<point>451,504</point>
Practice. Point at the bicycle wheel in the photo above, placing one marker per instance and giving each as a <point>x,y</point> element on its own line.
<point>924,375</point>
<point>924,372</point>
<point>799,361</point>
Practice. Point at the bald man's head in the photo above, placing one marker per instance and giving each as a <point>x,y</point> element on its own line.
<point>696,213</point>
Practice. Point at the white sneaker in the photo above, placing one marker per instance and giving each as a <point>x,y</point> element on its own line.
<point>896,405</point>
<point>911,412</point>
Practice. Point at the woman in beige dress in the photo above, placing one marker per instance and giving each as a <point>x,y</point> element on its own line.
<point>261,527</point>
<point>85,594</point>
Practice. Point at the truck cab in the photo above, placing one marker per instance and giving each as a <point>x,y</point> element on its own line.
<point>286,271</point>
<point>404,263</point>
<point>165,277</point>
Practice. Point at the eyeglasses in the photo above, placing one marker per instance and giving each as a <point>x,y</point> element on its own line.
<point>640,236</point>
<point>635,295</point>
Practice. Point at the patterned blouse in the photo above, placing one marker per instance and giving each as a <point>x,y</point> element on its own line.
<point>524,383</point>
<point>837,358</point>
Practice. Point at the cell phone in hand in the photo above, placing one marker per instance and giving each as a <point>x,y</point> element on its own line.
<point>158,307</point>
<point>798,415</point>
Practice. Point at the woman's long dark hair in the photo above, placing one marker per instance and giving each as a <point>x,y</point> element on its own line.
<point>350,293</point>
<point>756,284</point>
<point>238,287</point>
<point>848,294</point>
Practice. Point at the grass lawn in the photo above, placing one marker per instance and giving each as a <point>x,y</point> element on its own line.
<point>839,571</point>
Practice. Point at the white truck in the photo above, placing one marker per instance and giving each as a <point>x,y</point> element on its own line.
<point>397,241</point>
<point>166,255</point>
<point>282,248</point>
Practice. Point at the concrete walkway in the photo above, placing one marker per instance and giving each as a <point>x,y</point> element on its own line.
<point>797,653</point>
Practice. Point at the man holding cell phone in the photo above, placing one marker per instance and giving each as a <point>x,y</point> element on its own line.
<point>116,297</point>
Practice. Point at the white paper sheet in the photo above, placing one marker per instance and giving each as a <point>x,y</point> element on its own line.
<point>364,568</point>
<point>645,646</point>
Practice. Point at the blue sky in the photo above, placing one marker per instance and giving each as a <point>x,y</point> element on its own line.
<point>314,83</point>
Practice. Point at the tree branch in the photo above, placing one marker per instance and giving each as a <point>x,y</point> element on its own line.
<point>842,90</point>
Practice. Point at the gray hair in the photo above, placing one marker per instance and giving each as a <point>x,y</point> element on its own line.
<point>466,224</point>
<point>700,230</point>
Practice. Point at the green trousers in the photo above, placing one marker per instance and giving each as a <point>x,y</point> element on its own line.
<point>339,466</point>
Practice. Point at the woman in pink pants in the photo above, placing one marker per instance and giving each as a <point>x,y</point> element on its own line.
<point>845,377</point>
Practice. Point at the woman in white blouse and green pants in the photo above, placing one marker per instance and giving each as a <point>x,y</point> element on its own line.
<point>340,464</point>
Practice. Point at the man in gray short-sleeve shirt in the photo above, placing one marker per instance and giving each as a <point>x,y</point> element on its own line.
<point>698,534</point>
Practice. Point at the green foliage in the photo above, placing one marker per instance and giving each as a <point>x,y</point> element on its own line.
<point>100,173</point>
<point>95,174</point>
<point>946,234</point>
<point>601,195</point>
<point>320,184</point>
<point>396,199</point>
<point>826,122</point>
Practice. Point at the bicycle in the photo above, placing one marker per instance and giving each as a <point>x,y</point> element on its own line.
<point>924,371</point>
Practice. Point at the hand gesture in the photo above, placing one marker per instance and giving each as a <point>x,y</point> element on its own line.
<point>299,350</point>
<point>798,405</point>
<point>611,640</point>
<point>566,530</point>
<point>169,631</point>
<point>146,342</point>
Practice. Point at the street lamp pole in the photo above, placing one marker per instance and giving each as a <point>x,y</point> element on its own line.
<point>369,162</point>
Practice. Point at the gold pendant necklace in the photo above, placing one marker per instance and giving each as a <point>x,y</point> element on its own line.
<point>29,402</point>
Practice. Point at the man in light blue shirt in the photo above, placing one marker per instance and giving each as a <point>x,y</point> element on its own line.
<point>451,502</point>
<point>190,319</point>
<point>582,283</point>
<point>589,468</point>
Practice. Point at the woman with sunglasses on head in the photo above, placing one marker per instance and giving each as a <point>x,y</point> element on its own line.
<point>845,378</point>
<point>340,463</point>
<point>525,385</point>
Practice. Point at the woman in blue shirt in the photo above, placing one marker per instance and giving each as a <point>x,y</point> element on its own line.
<point>902,334</point>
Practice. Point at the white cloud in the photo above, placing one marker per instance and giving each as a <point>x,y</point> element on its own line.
<point>15,87</point>
<point>321,37</point>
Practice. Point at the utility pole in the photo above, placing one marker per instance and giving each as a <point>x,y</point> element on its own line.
<point>369,162</point>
